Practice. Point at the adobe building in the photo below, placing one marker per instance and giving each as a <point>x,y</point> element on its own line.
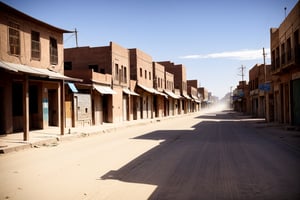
<point>261,95</point>
<point>173,101</point>
<point>192,89</point>
<point>203,97</point>
<point>32,84</point>
<point>241,100</point>
<point>106,79</point>
<point>285,60</point>
<point>160,103</point>
<point>180,83</point>
<point>141,71</point>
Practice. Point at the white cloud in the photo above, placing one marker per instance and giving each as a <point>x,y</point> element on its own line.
<point>236,55</point>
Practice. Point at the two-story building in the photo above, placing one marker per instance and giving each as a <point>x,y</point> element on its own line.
<point>160,102</point>
<point>180,83</point>
<point>106,74</point>
<point>260,90</point>
<point>203,97</point>
<point>285,61</point>
<point>241,100</point>
<point>192,89</point>
<point>141,71</point>
<point>173,101</point>
<point>32,81</point>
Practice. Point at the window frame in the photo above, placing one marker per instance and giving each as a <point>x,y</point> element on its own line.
<point>35,46</point>
<point>141,72</point>
<point>53,51</point>
<point>14,38</point>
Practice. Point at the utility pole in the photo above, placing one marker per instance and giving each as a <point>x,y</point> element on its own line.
<point>76,37</point>
<point>266,98</point>
<point>242,68</point>
<point>265,71</point>
<point>241,95</point>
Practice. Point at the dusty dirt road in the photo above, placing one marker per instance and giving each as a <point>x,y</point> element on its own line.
<point>212,156</point>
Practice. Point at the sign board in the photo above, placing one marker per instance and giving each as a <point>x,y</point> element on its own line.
<point>265,87</point>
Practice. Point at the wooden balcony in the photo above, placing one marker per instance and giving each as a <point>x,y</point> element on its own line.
<point>101,78</point>
<point>89,76</point>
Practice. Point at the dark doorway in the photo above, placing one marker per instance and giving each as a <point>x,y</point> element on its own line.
<point>53,107</point>
<point>296,102</point>
<point>2,113</point>
<point>33,107</point>
<point>17,106</point>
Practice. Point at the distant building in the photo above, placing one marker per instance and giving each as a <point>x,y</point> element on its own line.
<point>159,85</point>
<point>192,89</point>
<point>203,97</point>
<point>285,59</point>
<point>141,71</point>
<point>32,84</point>
<point>241,100</point>
<point>260,90</point>
<point>180,83</point>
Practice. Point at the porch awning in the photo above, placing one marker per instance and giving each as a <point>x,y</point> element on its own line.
<point>127,91</point>
<point>196,99</point>
<point>104,89</point>
<point>72,87</point>
<point>35,71</point>
<point>171,94</point>
<point>186,96</point>
<point>150,90</point>
<point>160,93</point>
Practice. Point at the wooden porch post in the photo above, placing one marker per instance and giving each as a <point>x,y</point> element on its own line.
<point>25,109</point>
<point>62,107</point>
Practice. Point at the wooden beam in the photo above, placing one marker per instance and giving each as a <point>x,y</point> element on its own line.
<point>25,109</point>
<point>62,107</point>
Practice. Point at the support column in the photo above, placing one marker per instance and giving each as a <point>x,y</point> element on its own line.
<point>267,103</point>
<point>62,107</point>
<point>25,109</point>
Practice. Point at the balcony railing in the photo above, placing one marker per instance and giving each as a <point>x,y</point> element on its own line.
<point>101,78</point>
<point>289,59</point>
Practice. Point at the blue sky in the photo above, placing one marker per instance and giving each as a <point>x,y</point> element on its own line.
<point>213,39</point>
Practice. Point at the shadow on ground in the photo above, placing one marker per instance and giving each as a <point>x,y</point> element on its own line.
<point>206,162</point>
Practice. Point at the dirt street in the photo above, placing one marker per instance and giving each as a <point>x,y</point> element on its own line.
<point>210,156</point>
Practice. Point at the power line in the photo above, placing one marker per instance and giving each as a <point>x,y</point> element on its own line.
<point>76,37</point>
<point>242,68</point>
<point>74,33</point>
<point>265,72</point>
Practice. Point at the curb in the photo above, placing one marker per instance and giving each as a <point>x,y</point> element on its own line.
<point>28,145</point>
<point>68,137</point>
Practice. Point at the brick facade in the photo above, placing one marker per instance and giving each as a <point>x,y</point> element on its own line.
<point>285,61</point>
<point>31,78</point>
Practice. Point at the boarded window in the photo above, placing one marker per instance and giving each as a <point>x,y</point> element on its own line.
<point>14,38</point>
<point>125,75</point>
<point>116,72</point>
<point>35,45</point>
<point>53,51</point>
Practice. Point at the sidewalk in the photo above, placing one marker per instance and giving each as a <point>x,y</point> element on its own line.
<point>51,136</point>
<point>287,134</point>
